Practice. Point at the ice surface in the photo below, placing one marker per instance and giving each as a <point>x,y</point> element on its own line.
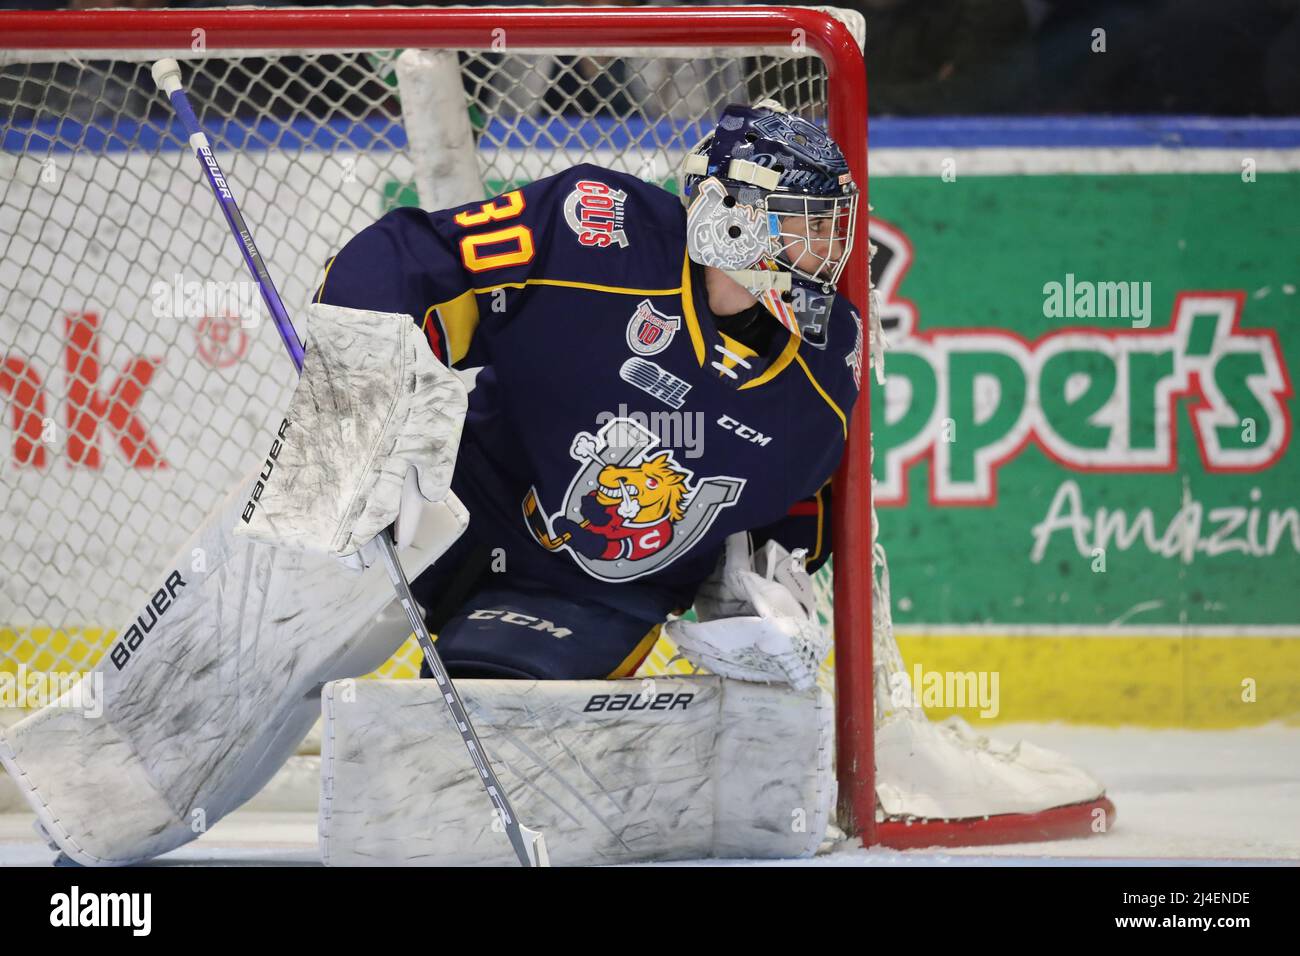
<point>1187,797</point>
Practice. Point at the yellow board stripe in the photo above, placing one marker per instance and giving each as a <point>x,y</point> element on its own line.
<point>1100,677</point>
<point>844,422</point>
<point>1104,678</point>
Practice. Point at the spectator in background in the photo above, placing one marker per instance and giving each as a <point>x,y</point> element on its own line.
<point>1171,56</point>
<point>955,57</point>
<point>940,57</point>
<point>924,58</point>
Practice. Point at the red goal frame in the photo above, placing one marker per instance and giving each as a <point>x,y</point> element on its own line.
<point>170,31</point>
<point>558,28</point>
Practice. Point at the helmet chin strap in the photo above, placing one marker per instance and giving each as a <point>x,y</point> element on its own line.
<point>768,286</point>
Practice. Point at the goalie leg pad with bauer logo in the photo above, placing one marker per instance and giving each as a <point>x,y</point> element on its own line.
<point>611,771</point>
<point>208,691</point>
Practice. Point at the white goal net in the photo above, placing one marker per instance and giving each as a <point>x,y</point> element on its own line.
<point>138,369</point>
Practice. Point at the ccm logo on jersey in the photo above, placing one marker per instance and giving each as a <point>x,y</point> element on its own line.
<point>595,213</point>
<point>523,620</point>
<point>158,605</point>
<point>610,703</point>
<point>752,435</point>
<point>265,476</point>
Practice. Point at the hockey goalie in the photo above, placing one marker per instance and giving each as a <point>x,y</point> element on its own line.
<point>586,406</point>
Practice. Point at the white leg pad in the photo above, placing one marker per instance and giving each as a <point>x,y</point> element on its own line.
<point>609,771</point>
<point>214,697</point>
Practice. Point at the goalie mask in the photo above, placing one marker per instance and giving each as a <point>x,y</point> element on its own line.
<point>770,201</point>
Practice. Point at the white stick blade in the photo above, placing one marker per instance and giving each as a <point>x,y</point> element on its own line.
<point>536,844</point>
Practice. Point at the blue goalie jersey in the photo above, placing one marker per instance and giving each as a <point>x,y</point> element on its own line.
<point>615,434</point>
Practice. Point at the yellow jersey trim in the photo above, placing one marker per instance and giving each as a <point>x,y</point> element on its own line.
<point>844,422</point>
<point>460,315</point>
<point>325,278</point>
<point>688,310</point>
<point>821,521</point>
<point>629,663</point>
<point>697,338</point>
<point>567,284</point>
<point>772,371</point>
<point>741,350</point>
<point>459,320</point>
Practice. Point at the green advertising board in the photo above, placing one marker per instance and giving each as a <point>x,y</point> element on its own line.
<point>1083,449</point>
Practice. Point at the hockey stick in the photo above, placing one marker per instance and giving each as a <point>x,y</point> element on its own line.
<point>529,845</point>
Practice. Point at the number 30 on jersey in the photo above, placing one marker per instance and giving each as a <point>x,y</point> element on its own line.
<point>497,248</point>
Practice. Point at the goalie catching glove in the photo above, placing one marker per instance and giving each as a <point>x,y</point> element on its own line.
<point>757,618</point>
<point>370,439</point>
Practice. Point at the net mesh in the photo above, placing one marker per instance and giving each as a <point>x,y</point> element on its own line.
<point>135,395</point>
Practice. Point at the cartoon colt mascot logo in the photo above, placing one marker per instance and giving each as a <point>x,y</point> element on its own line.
<point>630,510</point>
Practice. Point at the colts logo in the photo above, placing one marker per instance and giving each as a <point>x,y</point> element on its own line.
<point>595,213</point>
<point>649,331</point>
<point>629,512</point>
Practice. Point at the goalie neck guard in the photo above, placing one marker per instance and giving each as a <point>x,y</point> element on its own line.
<point>771,202</point>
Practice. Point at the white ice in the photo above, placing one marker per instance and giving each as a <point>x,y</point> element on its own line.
<point>1182,797</point>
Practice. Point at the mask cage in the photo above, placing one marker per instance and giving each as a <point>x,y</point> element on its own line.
<point>812,236</point>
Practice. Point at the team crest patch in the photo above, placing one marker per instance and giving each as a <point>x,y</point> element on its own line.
<point>649,331</point>
<point>631,509</point>
<point>594,212</point>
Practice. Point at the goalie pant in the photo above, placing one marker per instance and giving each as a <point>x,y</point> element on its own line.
<point>492,623</point>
